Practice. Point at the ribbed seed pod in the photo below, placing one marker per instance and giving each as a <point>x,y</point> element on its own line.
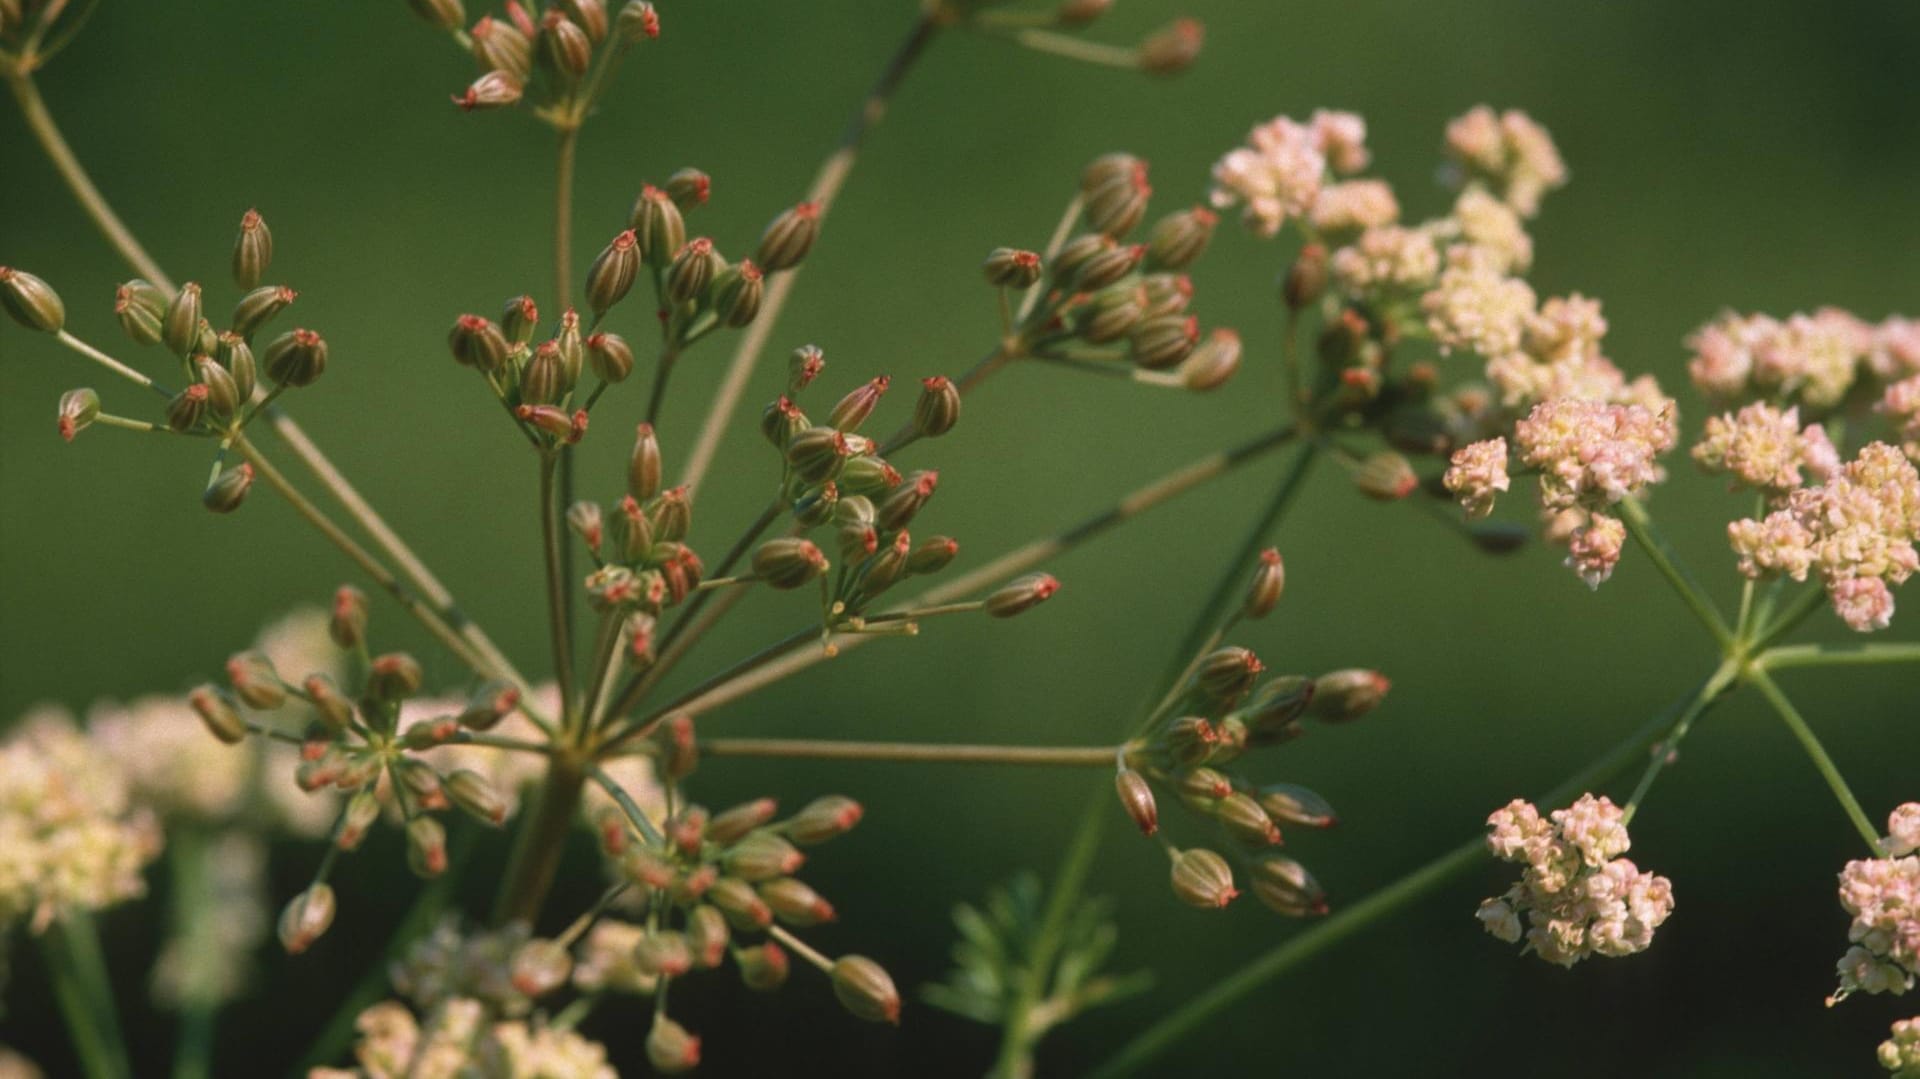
<point>613,271</point>
<point>609,356</point>
<point>1180,238</point>
<point>694,268</point>
<point>737,294</point>
<point>297,357</point>
<point>252,250</point>
<point>140,307</point>
<point>259,305</point>
<point>180,327</point>
<point>788,238</point>
<point>788,562</point>
<point>1011,267</point>
<point>1022,595</point>
<point>1203,879</point>
<point>657,224</point>
<point>865,989</point>
<point>32,302</point>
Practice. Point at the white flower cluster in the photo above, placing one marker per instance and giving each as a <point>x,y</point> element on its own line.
<point>457,1041</point>
<point>1577,895</point>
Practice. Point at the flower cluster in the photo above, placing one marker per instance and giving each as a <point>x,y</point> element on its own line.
<point>1900,1053</point>
<point>1509,152</point>
<point>1901,405</point>
<point>1883,896</point>
<point>456,1038</point>
<point>1857,530</point>
<point>550,58</point>
<point>71,837</point>
<point>1766,448</point>
<point>1814,359</point>
<point>1221,710</point>
<point>1279,173</point>
<point>1578,895</point>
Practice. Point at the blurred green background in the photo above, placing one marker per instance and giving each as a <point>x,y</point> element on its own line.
<point>1724,153</point>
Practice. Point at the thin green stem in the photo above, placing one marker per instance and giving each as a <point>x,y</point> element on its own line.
<point>1664,751</point>
<point>627,805</point>
<point>1092,52</point>
<point>564,154</point>
<point>552,542</point>
<point>1836,655</point>
<point>108,362</point>
<point>1797,612</point>
<point>1640,526</point>
<point>807,951</point>
<point>1817,753</point>
<point>908,752</point>
<point>81,987</point>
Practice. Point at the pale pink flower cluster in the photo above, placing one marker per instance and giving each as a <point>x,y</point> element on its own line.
<point>1901,404</point>
<point>1764,447</point>
<point>1858,529</point>
<point>1593,550</point>
<point>1883,896</point>
<point>1476,306</point>
<point>1900,1053</point>
<point>1278,174</point>
<point>1903,830</point>
<point>1355,205</point>
<point>1894,352</point>
<point>1386,259</point>
<point>1491,226</point>
<point>1590,453</point>
<point>1815,359</point>
<point>1579,897</point>
<point>458,1042</point>
<point>1510,153</point>
<point>1477,474</point>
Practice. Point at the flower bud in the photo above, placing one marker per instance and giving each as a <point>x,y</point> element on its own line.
<point>255,681</point>
<point>643,465</point>
<point>1203,879</point>
<point>632,531</point>
<point>761,856</point>
<point>934,555</point>
<point>1243,818</point>
<point>1011,267</point>
<point>1214,362</point>
<point>223,396</point>
<point>475,342</point>
<point>252,250</point>
<point>256,307</point>
<point>730,826</point>
<point>743,907</point>
<point>689,188</point>
<point>885,566</point>
<point>657,225</point>
<point>394,676</point>
<point>1161,342</point>
<point>180,326</point>
<point>1385,476</point>
<point>763,968</point>
<point>472,792</point>
<point>637,22</point>
<point>794,903</point>
<point>1112,315</point>
<point>426,846</point>
<point>1263,592</point>
<point>611,276</point>
<point>693,269</point>
<point>803,366</point>
<point>1286,887</point>
<point>186,409</point>
<point>31,301</point>
<point>493,90</point>
<point>445,14</point>
<point>1117,204</point>
<point>543,380</point>
<point>852,410</point>
<point>518,320</point>
<point>305,918</point>
<point>236,359</point>
<point>1226,674</point>
<point>827,817</point>
<point>216,710</point>
<point>1106,168</point>
<point>539,966</point>
<point>1202,788</point>
<point>867,475</point>
<point>1178,239</point>
<point>1075,253</point>
<point>938,408</point>
<point>900,507</point>
<point>489,705</point>
<point>737,294</point>
<point>663,954</point>
<point>1136,797</point>
<point>565,48</point>
<point>865,989</point>
<point>1291,803</point>
<point>1189,741</point>
<point>500,46</point>
<point>347,624</point>
<point>670,1049</point>
<point>140,307</point>
<point>297,357</point>
<point>330,706</point>
<point>585,519</point>
<point>670,515</point>
<point>788,562</point>
<point>1346,695</point>
<point>789,237</point>
<point>1307,278</point>
<point>1166,294</point>
<point>357,819</point>
<point>1173,49</point>
<point>78,408</point>
<point>1022,595</point>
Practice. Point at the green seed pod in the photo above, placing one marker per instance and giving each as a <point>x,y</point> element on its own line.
<point>500,46</point>
<point>730,826</point>
<point>476,342</point>
<point>1240,814</point>
<point>827,817</point>
<point>31,301</point>
<point>904,503</point>
<point>788,238</point>
<point>1165,294</point>
<point>743,907</point>
<point>539,966</point>
<point>489,705</point>
<point>707,936</point>
<point>78,409</point>
<point>611,276</point>
<point>788,562</point>
<point>1075,255</point>
<point>1180,238</point>
<point>657,224</point>
<point>738,292</point>
<point>329,704</point>
<point>643,467</point>
<point>1276,707</point>
<point>883,568</point>
<point>632,531</point>
<point>493,90</point>
<point>543,379</point>
<point>591,15</point>
<point>1116,205</point>
<point>1203,879</point>
<point>867,475</point>
<point>852,410</point>
<point>357,819</point>
<point>817,453</point>
<point>796,904</point>
<point>1226,674</point>
<point>305,918</point>
<point>252,250</point>
<point>223,396</point>
<point>1011,267</point>
<point>1385,476</point>
<point>689,188</point>
<point>472,792</point>
<point>1113,314</point>
<point>694,268</point>
<point>609,356</point>
<point>1159,343</point>
<point>670,515</point>
<point>572,346</point>
<point>1107,168</point>
<point>180,326</point>
<point>1172,49</point>
<point>1307,278</point>
<point>445,14</point>
<point>296,358</point>
<point>855,509</point>
<point>932,556</point>
<point>760,856</point>
<point>864,989</point>
<point>1291,803</point>
<point>217,711</point>
<point>1213,363</point>
<point>565,50</point>
<point>1346,695</point>
<point>1189,741</point>
<point>816,507</point>
<point>518,319</point>
<point>1022,595</point>
<point>670,1049</point>
<point>1108,266</point>
<point>394,676</point>
<point>234,354</point>
<point>1286,887</point>
<point>255,681</point>
<point>781,421</point>
<point>140,307</point>
<point>186,409</point>
<point>1269,580</point>
<point>347,623</point>
<point>637,22</point>
<point>256,307</point>
<point>426,846</point>
<point>857,541</point>
<point>1202,788</point>
<point>1136,797</point>
<point>938,408</point>
<point>763,968</point>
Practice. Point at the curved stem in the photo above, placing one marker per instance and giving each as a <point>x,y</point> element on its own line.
<point>1817,753</point>
<point>1657,548</point>
<point>914,752</point>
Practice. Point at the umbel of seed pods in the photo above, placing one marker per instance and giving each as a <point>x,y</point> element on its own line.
<point>1108,301</point>
<point>555,61</point>
<point>354,745</point>
<point>1221,711</point>
<point>226,386</point>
